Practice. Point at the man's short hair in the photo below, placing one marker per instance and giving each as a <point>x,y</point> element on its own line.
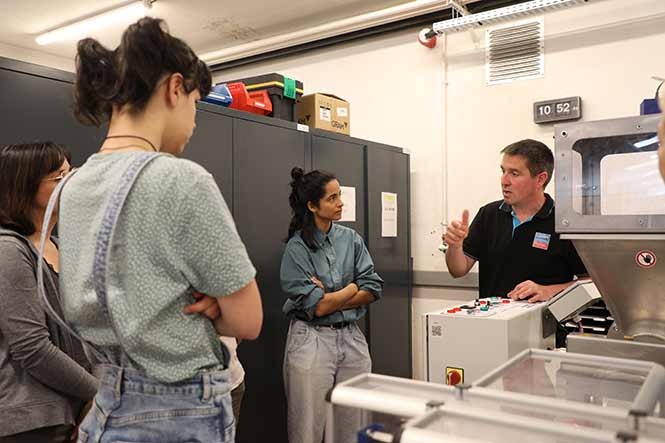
<point>539,157</point>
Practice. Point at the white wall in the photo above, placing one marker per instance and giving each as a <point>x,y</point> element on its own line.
<point>604,52</point>
<point>36,57</point>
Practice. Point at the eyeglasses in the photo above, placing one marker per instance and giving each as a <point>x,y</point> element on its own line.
<point>62,175</point>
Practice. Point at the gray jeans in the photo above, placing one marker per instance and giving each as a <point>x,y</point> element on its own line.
<point>316,358</point>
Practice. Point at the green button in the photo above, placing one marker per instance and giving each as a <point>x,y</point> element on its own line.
<point>485,308</point>
<point>289,88</point>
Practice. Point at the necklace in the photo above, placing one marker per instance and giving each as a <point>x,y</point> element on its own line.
<point>130,136</point>
<point>115,148</point>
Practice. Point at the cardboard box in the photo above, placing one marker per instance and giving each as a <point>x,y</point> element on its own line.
<point>325,111</point>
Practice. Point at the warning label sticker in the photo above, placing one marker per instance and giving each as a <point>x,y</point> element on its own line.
<point>645,259</point>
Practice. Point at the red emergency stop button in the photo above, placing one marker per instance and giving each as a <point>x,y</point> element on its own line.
<point>454,376</point>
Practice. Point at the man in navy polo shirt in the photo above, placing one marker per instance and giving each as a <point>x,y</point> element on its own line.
<point>519,254</point>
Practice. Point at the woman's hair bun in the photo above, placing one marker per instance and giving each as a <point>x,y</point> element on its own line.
<point>297,173</point>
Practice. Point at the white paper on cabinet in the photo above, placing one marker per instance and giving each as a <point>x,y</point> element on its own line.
<point>349,199</point>
<point>388,214</point>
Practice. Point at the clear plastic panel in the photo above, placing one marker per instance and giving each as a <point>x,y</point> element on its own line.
<point>480,427</point>
<point>570,418</point>
<point>631,184</point>
<point>574,381</point>
<point>617,175</point>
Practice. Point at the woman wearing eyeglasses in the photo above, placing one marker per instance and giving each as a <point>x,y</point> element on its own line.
<point>44,378</point>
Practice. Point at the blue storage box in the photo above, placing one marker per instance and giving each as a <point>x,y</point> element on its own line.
<point>219,95</point>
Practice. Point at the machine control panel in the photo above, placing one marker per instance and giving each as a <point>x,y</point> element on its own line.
<point>471,338</point>
<point>487,307</point>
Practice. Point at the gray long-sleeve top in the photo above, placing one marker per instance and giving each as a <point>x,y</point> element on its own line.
<point>43,376</point>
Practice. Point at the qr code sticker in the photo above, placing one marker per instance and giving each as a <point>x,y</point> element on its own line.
<point>436,331</point>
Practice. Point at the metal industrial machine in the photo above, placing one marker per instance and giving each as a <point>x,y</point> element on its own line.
<point>611,204</point>
<point>524,400</point>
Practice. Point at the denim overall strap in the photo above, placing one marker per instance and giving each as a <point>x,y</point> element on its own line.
<point>102,247</point>
<point>109,222</point>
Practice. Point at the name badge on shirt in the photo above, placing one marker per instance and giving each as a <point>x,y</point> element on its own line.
<point>541,241</point>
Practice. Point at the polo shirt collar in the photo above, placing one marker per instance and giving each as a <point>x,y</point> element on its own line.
<point>544,212</point>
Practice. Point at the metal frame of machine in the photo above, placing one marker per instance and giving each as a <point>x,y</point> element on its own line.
<point>423,429</point>
<point>419,403</point>
<point>567,138</point>
<point>651,392</point>
<point>611,245</point>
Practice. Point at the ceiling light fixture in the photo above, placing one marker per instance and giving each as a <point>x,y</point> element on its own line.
<point>83,27</point>
<point>501,14</point>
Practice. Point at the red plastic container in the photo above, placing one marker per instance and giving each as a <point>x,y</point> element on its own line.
<point>256,102</point>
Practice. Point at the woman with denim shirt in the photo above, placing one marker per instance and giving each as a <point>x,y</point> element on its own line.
<point>329,278</point>
<point>143,234</point>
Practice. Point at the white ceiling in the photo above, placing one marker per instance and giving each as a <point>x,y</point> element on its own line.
<point>206,25</point>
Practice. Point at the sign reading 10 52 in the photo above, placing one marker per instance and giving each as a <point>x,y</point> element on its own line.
<point>557,110</point>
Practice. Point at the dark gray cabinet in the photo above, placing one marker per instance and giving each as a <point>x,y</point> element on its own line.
<point>251,158</point>
<point>211,146</point>
<point>390,319</point>
<point>263,158</point>
<point>36,105</point>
